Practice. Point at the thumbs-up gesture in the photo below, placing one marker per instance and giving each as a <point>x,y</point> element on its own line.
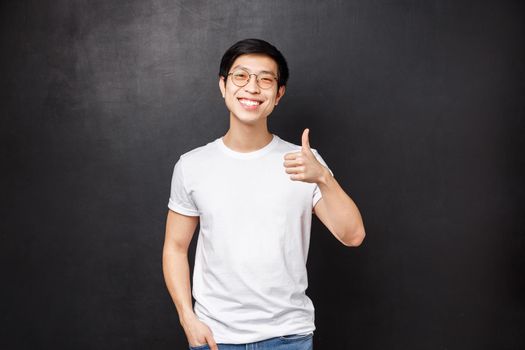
<point>303,165</point>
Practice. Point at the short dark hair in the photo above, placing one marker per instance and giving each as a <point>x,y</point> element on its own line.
<point>255,46</point>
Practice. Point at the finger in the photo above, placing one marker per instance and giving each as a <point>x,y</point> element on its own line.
<point>298,177</point>
<point>292,155</point>
<point>211,343</point>
<point>296,162</point>
<point>295,170</point>
<point>305,142</point>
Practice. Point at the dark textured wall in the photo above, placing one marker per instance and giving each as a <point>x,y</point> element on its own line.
<point>417,106</point>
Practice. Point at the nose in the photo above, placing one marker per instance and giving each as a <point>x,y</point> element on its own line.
<point>252,86</point>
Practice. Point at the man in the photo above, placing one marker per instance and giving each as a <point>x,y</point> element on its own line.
<point>254,194</point>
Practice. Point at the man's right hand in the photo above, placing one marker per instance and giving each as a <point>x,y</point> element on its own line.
<point>198,333</point>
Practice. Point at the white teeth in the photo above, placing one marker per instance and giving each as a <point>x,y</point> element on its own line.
<point>249,102</point>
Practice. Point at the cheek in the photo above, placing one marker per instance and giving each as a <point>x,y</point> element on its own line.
<point>231,101</point>
<point>230,96</point>
<point>271,101</point>
<point>270,105</point>
<point>231,93</point>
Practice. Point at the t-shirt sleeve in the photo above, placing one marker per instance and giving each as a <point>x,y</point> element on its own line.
<point>317,192</point>
<point>180,200</point>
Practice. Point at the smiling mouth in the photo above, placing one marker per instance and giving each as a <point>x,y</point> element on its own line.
<point>249,103</point>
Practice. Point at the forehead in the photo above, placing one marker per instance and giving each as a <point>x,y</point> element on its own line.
<point>256,63</point>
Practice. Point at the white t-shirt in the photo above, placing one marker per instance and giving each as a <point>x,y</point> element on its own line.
<point>250,277</point>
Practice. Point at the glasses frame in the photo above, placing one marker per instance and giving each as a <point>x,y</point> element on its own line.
<point>276,81</point>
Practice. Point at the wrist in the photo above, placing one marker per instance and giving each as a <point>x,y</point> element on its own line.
<point>186,316</point>
<point>324,177</point>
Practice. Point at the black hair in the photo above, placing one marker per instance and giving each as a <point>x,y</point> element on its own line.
<point>255,46</point>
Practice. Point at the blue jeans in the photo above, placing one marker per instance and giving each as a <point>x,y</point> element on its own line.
<point>286,342</point>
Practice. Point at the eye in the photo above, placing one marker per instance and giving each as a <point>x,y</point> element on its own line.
<point>240,75</point>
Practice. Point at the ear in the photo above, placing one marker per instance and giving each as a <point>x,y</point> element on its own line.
<point>222,86</point>
<point>280,93</point>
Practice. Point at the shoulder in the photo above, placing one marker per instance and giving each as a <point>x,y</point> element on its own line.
<point>200,152</point>
<point>196,156</point>
<point>287,146</point>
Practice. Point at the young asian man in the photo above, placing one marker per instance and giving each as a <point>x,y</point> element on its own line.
<point>253,194</point>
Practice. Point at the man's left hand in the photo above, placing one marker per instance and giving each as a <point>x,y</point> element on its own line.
<point>303,165</point>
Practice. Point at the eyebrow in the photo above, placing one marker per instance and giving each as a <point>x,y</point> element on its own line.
<point>263,71</point>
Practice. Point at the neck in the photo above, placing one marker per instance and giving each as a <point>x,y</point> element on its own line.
<point>242,137</point>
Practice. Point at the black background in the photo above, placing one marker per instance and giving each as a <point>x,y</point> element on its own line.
<point>417,107</point>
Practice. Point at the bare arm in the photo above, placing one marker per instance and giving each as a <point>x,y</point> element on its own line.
<point>179,232</point>
<point>338,212</point>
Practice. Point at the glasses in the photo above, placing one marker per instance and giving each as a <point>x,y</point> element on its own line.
<point>265,80</point>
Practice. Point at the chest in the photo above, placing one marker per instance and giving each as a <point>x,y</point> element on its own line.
<point>256,190</point>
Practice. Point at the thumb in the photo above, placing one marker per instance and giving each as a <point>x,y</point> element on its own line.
<point>305,142</point>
